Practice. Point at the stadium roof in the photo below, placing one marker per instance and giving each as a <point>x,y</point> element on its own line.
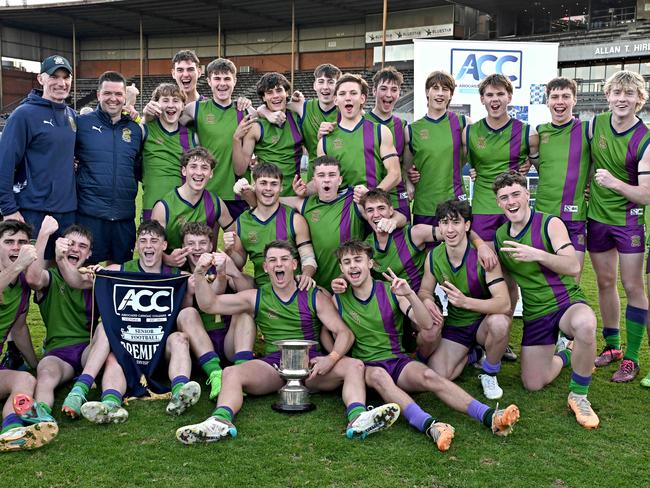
<point>105,18</point>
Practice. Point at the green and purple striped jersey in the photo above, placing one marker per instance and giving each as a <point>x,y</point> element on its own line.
<point>564,159</point>
<point>282,146</point>
<point>161,156</point>
<point>133,266</point>
<point>15,302</point>
<point>330,225</point>
<point>436,145</point>
<point>401,255</point>
<point>543,291</point>
<point>468,277</point>
<point>618,153</point>
<point>312,117</point>
<point>255,234</point>
<point>294,319</point>
<point>179,211</point>
<point>215,126</point>
<point>377,323</point>
<point>492,152</point>
<point>66,312</point>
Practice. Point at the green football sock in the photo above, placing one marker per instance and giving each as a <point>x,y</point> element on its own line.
<point>112,398</point>
<point>612,337</point>
<point>223,413</point>
<point>635,328</point>
<point>212,365</point>
<point>356,410</point>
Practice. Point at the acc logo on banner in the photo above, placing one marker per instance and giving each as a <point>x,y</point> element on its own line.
<point>470,66</point>
<point>135,299</point>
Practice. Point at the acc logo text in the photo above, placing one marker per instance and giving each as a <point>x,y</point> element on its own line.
<point>134,299</point>
<point>472,65</point>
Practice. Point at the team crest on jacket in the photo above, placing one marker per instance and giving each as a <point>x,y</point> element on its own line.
<point>126,135</point>
<point>73,124</point>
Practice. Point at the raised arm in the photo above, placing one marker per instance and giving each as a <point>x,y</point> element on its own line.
<point>37,275</point>
<point>306,251</point>
<point>243,144</point>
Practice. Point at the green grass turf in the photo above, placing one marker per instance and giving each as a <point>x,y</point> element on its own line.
<point>547,447</point>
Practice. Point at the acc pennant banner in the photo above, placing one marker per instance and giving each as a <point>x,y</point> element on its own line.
<point>139,311</point>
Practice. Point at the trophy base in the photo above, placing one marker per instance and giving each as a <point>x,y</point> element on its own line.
<point>283,408</point>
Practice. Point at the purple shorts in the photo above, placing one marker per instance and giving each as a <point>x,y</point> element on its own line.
<point>71,355</point>
<point>544,330</point>
<point>486,225</point>
<point>236,207</point>
<point>464,335</point>
<point>578,234</point>
<point>274,357</point>
<point>627,239</point>
<point>218,336</point>
<point>392,366</point>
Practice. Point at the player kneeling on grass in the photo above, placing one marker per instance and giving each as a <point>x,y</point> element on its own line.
<point>284,312</point>
<point>213,337</point>
<point>375,311</point>
<point>16,255</point>
<point>536,250</point>
<point>150,244</point>
<point>478,301</point>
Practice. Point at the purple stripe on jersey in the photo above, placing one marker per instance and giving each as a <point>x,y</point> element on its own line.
<point>632,167</point>
<point>306,317</point>
<point>369,153</point>
<point>240,116</point>
<point>184,138</point>
<point>24,295</point>
<point>573,169</point>
<point>456,138</point>
<point>297,141</point>
<point>475,288</point>
<point>398,134</point>
<point>515,144</point>
<point>88,302</point>
<point>386,312</point>
<point>281,224</point>
<point>406,259</point>
<point>345,229</point>
<point>210,213</point>
<point>552,278</point>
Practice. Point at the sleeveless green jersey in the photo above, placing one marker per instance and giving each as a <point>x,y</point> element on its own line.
<point>255,234</point>
<point>399,197</point>
<point>312,117</point>
<point>161,156</point>
<point>66,312</point>
<point>294,319</point>
<point>133,266</point>
<point>543,291</point>
<point>468,277</point>
<point>377,323</point>
<point>215,126</point>
<point>178,211</point>
<point>282,146</point>
<point>618,153</point>
<point>401,255</point>
<point>564,160</point>
<point>492,152</point>
<point>324,218</point>
<point>15,302</point>
<point>436,145</point>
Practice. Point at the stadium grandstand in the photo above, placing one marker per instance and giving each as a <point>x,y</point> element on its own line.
<point>138,38</point>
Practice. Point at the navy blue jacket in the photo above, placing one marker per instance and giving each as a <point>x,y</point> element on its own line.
<point>37,157</point>
<point>109,156</point>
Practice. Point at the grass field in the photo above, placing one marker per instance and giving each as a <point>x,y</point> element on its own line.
<point>547,447</point>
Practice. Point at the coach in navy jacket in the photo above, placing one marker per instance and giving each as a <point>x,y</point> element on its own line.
<point>108,150</point>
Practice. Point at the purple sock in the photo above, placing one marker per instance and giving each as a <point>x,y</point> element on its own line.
<point>491,369</point>
<point>353,406</point>
<point>416,416</point>
<point>86,379</point>
<point>477,410</point>
<point>206,357</point>
<point>112,394</point>
<point>179,379</point>
<point>243,356</point>
<point>11,419</point>
<point>472,356</point>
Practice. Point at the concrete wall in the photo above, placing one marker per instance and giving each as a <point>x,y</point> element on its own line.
<point>24,44</point>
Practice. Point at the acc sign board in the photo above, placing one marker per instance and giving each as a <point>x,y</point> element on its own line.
<point>134,299</point>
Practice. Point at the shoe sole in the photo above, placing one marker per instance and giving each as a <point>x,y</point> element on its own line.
<point>603,364</point>
<point>492,397</point>
<point>445,438</point>
<point>97,413</point>
<point>27,438</point>
<point>190,435</point>
<point>590,427</point>
<point>22,404</point>
<point>385,418</point>
<point>509,418</point>
<point>71,412</point>
<point>189,395</point>
<point>626,380</point>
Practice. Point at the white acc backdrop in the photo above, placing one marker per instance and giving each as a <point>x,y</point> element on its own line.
<point>528,65</point>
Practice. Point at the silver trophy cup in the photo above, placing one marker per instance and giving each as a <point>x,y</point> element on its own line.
<point>294,368</point>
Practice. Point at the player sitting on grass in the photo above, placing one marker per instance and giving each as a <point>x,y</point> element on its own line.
<point>478,302</point>
<point>282,312</point>
<point>536,250</point>
<point>375,311</point>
